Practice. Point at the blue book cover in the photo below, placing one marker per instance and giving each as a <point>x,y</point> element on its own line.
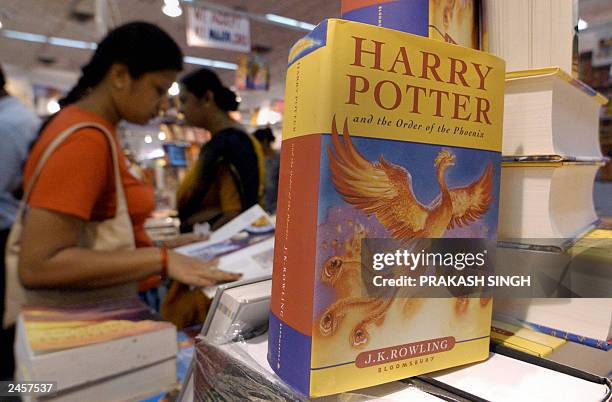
<point>596,343</point>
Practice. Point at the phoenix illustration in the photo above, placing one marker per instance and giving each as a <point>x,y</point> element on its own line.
<point>384,190</point>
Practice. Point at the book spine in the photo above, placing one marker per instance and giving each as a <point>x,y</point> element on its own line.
<point>410,16</point>
<point>595,343</point>
<point>290,325</point>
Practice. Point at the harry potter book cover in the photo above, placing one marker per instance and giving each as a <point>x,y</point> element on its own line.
<point>386,135</point>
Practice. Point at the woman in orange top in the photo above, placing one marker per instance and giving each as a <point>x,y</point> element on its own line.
<point>127,77</point>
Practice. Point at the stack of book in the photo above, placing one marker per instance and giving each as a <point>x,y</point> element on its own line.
<point>550,149</point>
<point>531,34</point>
<point>551,155</point>
<point>115,350</point>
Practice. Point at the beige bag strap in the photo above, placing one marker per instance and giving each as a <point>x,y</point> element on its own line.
<point>121,201</point>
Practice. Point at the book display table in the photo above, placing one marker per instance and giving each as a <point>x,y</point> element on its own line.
<point>240,371</point>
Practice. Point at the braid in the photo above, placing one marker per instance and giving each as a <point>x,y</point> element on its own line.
<point>75,93</point>
<point>91,75</point>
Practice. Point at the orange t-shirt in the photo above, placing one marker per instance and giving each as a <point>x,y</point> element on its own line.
<point>78,177</point>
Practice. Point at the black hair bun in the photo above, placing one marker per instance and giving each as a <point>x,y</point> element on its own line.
<point>226,99</point>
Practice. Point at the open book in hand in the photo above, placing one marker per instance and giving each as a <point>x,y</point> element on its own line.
<point>244,245</point>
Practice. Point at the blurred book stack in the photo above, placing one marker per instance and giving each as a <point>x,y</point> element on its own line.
<point>114,350</point>
<point>552,154</point>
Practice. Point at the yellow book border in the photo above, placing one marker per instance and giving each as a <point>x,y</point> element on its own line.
<point>552,71</point>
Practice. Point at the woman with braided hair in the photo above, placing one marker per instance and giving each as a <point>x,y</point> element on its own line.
<point>85,180</point>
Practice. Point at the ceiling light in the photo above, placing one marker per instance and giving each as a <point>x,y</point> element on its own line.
<point>78,44</point>
<point>174,89</point>
<point>210,63</point>
<point>172,11</point>
<point>148,139</point>
<point>289,22</point>
<point>32,37</point>
<point>53,106</point>
<point>37,38</point>
<point>582,24</point>
<point>26,36</point>
<point>161,136</point>
<point>172,8</point>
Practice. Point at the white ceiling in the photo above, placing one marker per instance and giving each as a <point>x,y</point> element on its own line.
<point>50,17</point>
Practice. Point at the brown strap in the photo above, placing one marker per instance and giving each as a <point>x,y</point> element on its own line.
<point>121,201</point>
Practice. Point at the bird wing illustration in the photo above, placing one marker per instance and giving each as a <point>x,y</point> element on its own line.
<point>379,188</point>
<point>472,201</point>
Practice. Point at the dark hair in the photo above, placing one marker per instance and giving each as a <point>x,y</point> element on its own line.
<point>141,46</point>
<point>202,80</point>
<point>2,79</point>
<point>264,134</point>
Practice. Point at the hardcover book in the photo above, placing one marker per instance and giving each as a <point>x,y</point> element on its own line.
<point>136,385</point>
<point>534,202</point>
<point>387,135</point>
<point>544,111</point>
<point>524,339</point>
<point>446,20</point>
<point>583,340</point>
<point>585,320</point>
<point>596,244</point>
<point>61,343</point>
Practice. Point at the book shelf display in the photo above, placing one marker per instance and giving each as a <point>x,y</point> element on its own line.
<point>237,371</point>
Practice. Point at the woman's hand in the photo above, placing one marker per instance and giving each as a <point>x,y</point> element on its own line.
<point>184,239</point>
<point>195,272</point>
